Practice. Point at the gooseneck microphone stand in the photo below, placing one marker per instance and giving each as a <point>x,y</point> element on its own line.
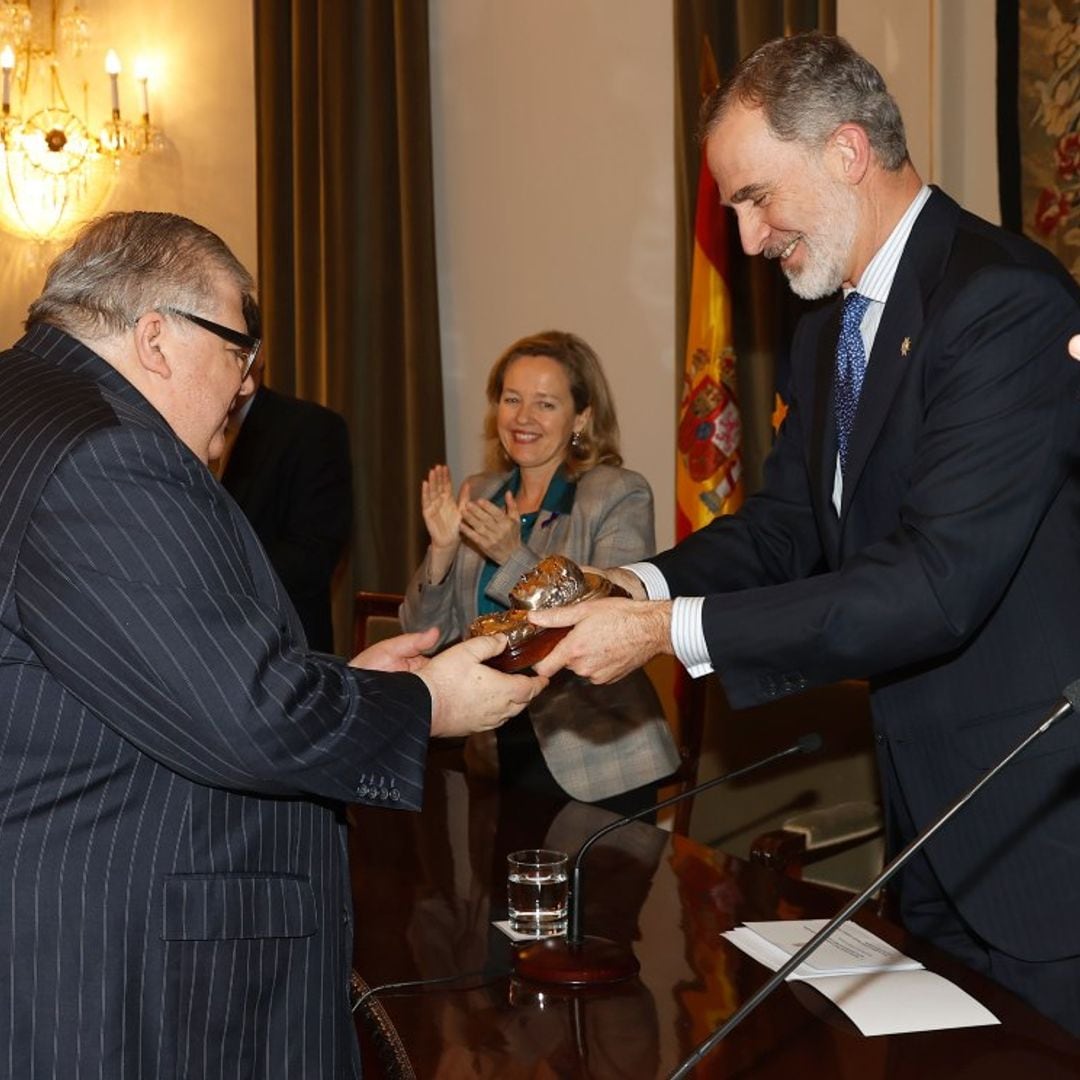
<point>579,959</point>
<point>1072,696</point>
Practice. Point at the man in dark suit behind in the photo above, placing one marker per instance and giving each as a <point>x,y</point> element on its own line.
<point>287,466</point>
<point>173,759</point>
<point>919,524</point>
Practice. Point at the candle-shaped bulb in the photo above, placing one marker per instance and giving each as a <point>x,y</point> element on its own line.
<point>7,63</point>
<point>112,67</point>
<point>142,75</point>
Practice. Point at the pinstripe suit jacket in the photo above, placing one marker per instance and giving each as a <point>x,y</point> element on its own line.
<point>597,740</point>
<point>172,760</point>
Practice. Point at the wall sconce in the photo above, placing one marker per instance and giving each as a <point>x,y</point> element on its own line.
<point>54,171</point>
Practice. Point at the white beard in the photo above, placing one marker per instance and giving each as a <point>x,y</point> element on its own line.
<point>828,250</point>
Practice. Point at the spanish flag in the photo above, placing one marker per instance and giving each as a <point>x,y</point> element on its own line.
<point>708,469</point>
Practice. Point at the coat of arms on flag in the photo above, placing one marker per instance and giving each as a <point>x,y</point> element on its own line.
<point>710,431</point>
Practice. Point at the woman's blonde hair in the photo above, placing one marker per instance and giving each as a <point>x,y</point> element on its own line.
<point>598,441</point>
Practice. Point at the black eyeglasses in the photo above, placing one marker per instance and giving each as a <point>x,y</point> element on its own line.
<point>247,346</point>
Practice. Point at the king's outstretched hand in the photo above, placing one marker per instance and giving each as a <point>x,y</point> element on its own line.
<point>610,638</point>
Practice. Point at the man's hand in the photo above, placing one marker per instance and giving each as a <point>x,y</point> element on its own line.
<point>401,653</point>
<point>468,696</point>
<point>1074,347</point>
<point>628,580</point>
<point>610,638</point>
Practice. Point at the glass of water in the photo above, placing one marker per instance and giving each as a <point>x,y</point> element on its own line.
<point>537,892</point>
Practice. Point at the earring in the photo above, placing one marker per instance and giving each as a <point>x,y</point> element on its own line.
<point>576,441</point>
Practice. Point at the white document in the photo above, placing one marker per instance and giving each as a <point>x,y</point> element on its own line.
<point>880,989</point>
<point>850,950</point>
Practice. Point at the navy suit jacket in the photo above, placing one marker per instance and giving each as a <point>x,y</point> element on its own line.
<point>290,473</point>
<point>172,763</point>
<point>950,578</point>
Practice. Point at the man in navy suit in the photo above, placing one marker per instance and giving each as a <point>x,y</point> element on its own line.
<point>173,760</point>
<point>288,468</point>
<point>919,523</point>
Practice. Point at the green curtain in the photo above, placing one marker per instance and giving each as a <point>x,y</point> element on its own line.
<point>764,308</point>
<point>347,251</point>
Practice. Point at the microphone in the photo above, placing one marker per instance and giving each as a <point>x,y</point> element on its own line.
<point>1071,702</point>
<point>578,959</point>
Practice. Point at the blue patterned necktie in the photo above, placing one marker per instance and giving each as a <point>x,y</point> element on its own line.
<point>850,369</point>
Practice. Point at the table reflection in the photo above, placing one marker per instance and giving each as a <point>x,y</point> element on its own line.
<point>428,887</point>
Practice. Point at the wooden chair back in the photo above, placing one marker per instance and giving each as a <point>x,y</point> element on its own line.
<point>375,617</point>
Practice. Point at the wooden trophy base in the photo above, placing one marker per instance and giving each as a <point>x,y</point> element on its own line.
<point>581,963</point>
<point>521,655</point>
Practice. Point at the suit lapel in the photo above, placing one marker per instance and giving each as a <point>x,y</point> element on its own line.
<point>822,435</point>
<point>896,345</point>
<point>546,530</point>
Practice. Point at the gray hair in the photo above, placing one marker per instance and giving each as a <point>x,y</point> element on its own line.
<point>807,86</point>
<point>123,264</point>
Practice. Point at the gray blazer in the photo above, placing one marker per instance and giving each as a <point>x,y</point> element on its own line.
<point>597,741</point>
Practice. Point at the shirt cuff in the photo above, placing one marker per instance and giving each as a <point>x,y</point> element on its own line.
<point>688,635</point>
<point>656,586</point>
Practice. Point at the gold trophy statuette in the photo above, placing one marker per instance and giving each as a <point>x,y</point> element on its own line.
<point>554,582</point>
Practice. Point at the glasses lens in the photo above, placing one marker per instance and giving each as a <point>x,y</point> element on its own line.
<point>248,360</point>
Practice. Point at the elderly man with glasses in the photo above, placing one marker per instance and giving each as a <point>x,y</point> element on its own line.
<point>173,760</point>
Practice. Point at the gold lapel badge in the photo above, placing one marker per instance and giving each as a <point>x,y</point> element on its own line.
<point>905,346</point>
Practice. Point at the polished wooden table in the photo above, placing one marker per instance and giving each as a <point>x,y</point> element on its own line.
<point>427,886</point>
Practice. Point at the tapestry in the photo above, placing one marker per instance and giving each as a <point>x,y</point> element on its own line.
<point>1039,122</point>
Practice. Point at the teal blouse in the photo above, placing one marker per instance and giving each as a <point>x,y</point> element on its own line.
<point>558,500</point>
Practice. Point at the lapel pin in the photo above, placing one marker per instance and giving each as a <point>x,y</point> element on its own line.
<point>905,346</point>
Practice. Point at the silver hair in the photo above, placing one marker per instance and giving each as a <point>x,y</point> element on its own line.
<point>123,264</point>
<point>807,86</point>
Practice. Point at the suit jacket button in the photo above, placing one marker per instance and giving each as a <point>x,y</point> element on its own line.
<point>792,681</point>
<point>362,791</point>
<point>395,795</point>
